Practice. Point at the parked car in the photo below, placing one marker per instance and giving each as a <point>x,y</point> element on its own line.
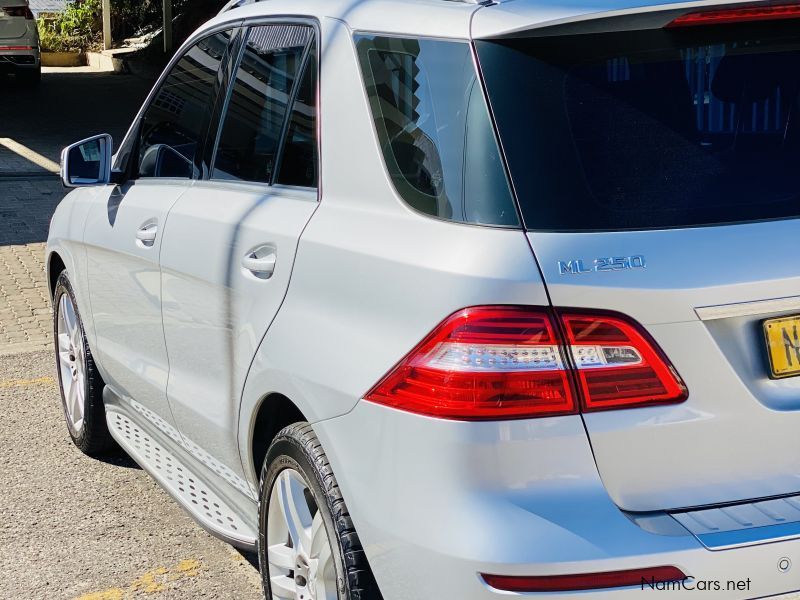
<point>441,300</point>
<point>19,42</point>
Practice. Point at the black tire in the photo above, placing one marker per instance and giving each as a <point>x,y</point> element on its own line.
<point>298,448</point>
<point>93,439</point>
<point>29,78</point>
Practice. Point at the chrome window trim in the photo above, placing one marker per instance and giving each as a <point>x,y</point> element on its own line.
<point>748,309</point>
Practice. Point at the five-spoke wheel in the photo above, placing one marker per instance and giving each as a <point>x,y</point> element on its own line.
<point>80,382</point>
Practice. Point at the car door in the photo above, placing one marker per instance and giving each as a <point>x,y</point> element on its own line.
<point>124,230</point>
<point>231,240</point>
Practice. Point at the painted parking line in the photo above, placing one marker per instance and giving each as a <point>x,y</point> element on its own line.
<point>21,383</point>
<point>30,155</point>
<point>154,581</point>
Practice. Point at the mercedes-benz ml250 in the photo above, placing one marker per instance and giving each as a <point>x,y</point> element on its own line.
<point>449,301</point>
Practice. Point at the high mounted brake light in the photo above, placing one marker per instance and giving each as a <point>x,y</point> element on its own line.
<point>738,15</point>
<point>510,362</point>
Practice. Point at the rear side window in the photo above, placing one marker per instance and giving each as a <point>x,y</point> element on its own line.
<point>173,128</point>
<point>262,91</point>
<point>434,129</point>
<point>651,129</point>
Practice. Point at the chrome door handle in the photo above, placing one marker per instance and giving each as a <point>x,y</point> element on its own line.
<point>260,262</point>
<point>147,234</point>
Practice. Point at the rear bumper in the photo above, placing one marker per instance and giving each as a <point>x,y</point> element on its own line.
<point>437,502</point>
<point>15,60</point>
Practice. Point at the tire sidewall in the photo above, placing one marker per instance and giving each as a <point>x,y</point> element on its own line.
<point>63,286</point>
<point>287,453</point>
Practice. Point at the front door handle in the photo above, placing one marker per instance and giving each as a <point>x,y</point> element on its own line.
<point>261,261</point>
<point>146,235</point>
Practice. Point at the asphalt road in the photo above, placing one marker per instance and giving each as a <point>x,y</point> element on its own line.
<point>74,527</point>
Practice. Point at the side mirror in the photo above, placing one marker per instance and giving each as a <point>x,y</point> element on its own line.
<point>87,162</point>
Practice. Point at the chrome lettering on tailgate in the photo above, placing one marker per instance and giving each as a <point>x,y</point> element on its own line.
<point>599,265</point>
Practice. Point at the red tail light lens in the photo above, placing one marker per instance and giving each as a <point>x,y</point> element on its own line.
<point>507,362</point>
<point>19,11</point>
<point>585,581</point>
<point>738,15</point>
<point>617,363</point>
<point>494,362</point>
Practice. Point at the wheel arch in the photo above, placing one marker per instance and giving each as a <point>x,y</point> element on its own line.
<point>55,265</point>
<point>274,412</point>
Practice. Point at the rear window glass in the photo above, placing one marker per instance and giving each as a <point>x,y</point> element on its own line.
<point>657,129</point>
<point>434,129</point>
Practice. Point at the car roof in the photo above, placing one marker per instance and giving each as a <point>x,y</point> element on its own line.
<point>433,18</point>
<point>466,18</point>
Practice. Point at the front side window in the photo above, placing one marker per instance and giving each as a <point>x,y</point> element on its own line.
<point>173,127</point>
<point>434,129</point>
<point>250,137</point>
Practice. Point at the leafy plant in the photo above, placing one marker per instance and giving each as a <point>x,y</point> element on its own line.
<point>77,28</point>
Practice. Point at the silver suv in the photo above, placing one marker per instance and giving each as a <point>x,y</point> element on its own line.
<point>449,301</point>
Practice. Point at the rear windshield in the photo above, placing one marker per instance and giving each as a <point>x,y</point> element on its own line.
<point>657,129</point>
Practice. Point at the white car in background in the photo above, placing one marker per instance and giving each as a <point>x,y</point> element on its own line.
<point>433,300</point>
<point>19,42</point>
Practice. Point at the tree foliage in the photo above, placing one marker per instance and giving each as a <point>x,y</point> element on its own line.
<point>77,28</point>
<point>80,26</point>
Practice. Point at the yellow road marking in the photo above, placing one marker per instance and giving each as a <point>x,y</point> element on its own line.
<point>110,594</point>
<point>153,581</point>
<point>14,383</point>
<point>30,155</point>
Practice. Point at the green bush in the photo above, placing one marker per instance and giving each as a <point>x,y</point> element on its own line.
<point>77,28</point>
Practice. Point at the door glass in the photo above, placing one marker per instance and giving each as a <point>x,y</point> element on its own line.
<point>298,164</point>
<point>175,123</point>
<point>251,132</point>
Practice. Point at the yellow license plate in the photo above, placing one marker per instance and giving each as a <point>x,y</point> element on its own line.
<point>783,345</point>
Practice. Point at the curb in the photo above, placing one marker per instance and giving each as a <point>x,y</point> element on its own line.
<point>100,61</point>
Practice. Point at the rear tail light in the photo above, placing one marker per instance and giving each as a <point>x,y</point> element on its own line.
<point>494,362</point>
<point>19,11</point>
<point>738,15</point>
<point>509,362</point>
<point>585,581</point>
<point>618,365</point>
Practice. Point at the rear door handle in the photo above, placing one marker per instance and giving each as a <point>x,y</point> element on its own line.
<point>146,235</point>
<point>261,261</point>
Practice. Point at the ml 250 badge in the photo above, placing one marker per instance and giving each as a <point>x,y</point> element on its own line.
<point>600,265</point>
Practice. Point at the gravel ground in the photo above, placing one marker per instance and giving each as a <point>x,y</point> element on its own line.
<point>73,527</point>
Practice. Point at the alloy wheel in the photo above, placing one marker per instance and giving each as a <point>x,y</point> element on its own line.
<point>71,363</point>
<point>299,553</point>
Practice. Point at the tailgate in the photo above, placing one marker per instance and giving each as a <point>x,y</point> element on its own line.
<point>738,435</point>
<point>12,27</point>
<point>657,174</point>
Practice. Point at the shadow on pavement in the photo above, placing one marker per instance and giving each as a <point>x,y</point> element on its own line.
<point>69,105</point>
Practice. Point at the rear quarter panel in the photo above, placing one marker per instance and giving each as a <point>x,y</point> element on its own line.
<point>371,277</point>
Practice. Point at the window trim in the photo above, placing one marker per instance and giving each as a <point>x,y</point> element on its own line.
<point>246,26</point>
<point>131,136</point>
